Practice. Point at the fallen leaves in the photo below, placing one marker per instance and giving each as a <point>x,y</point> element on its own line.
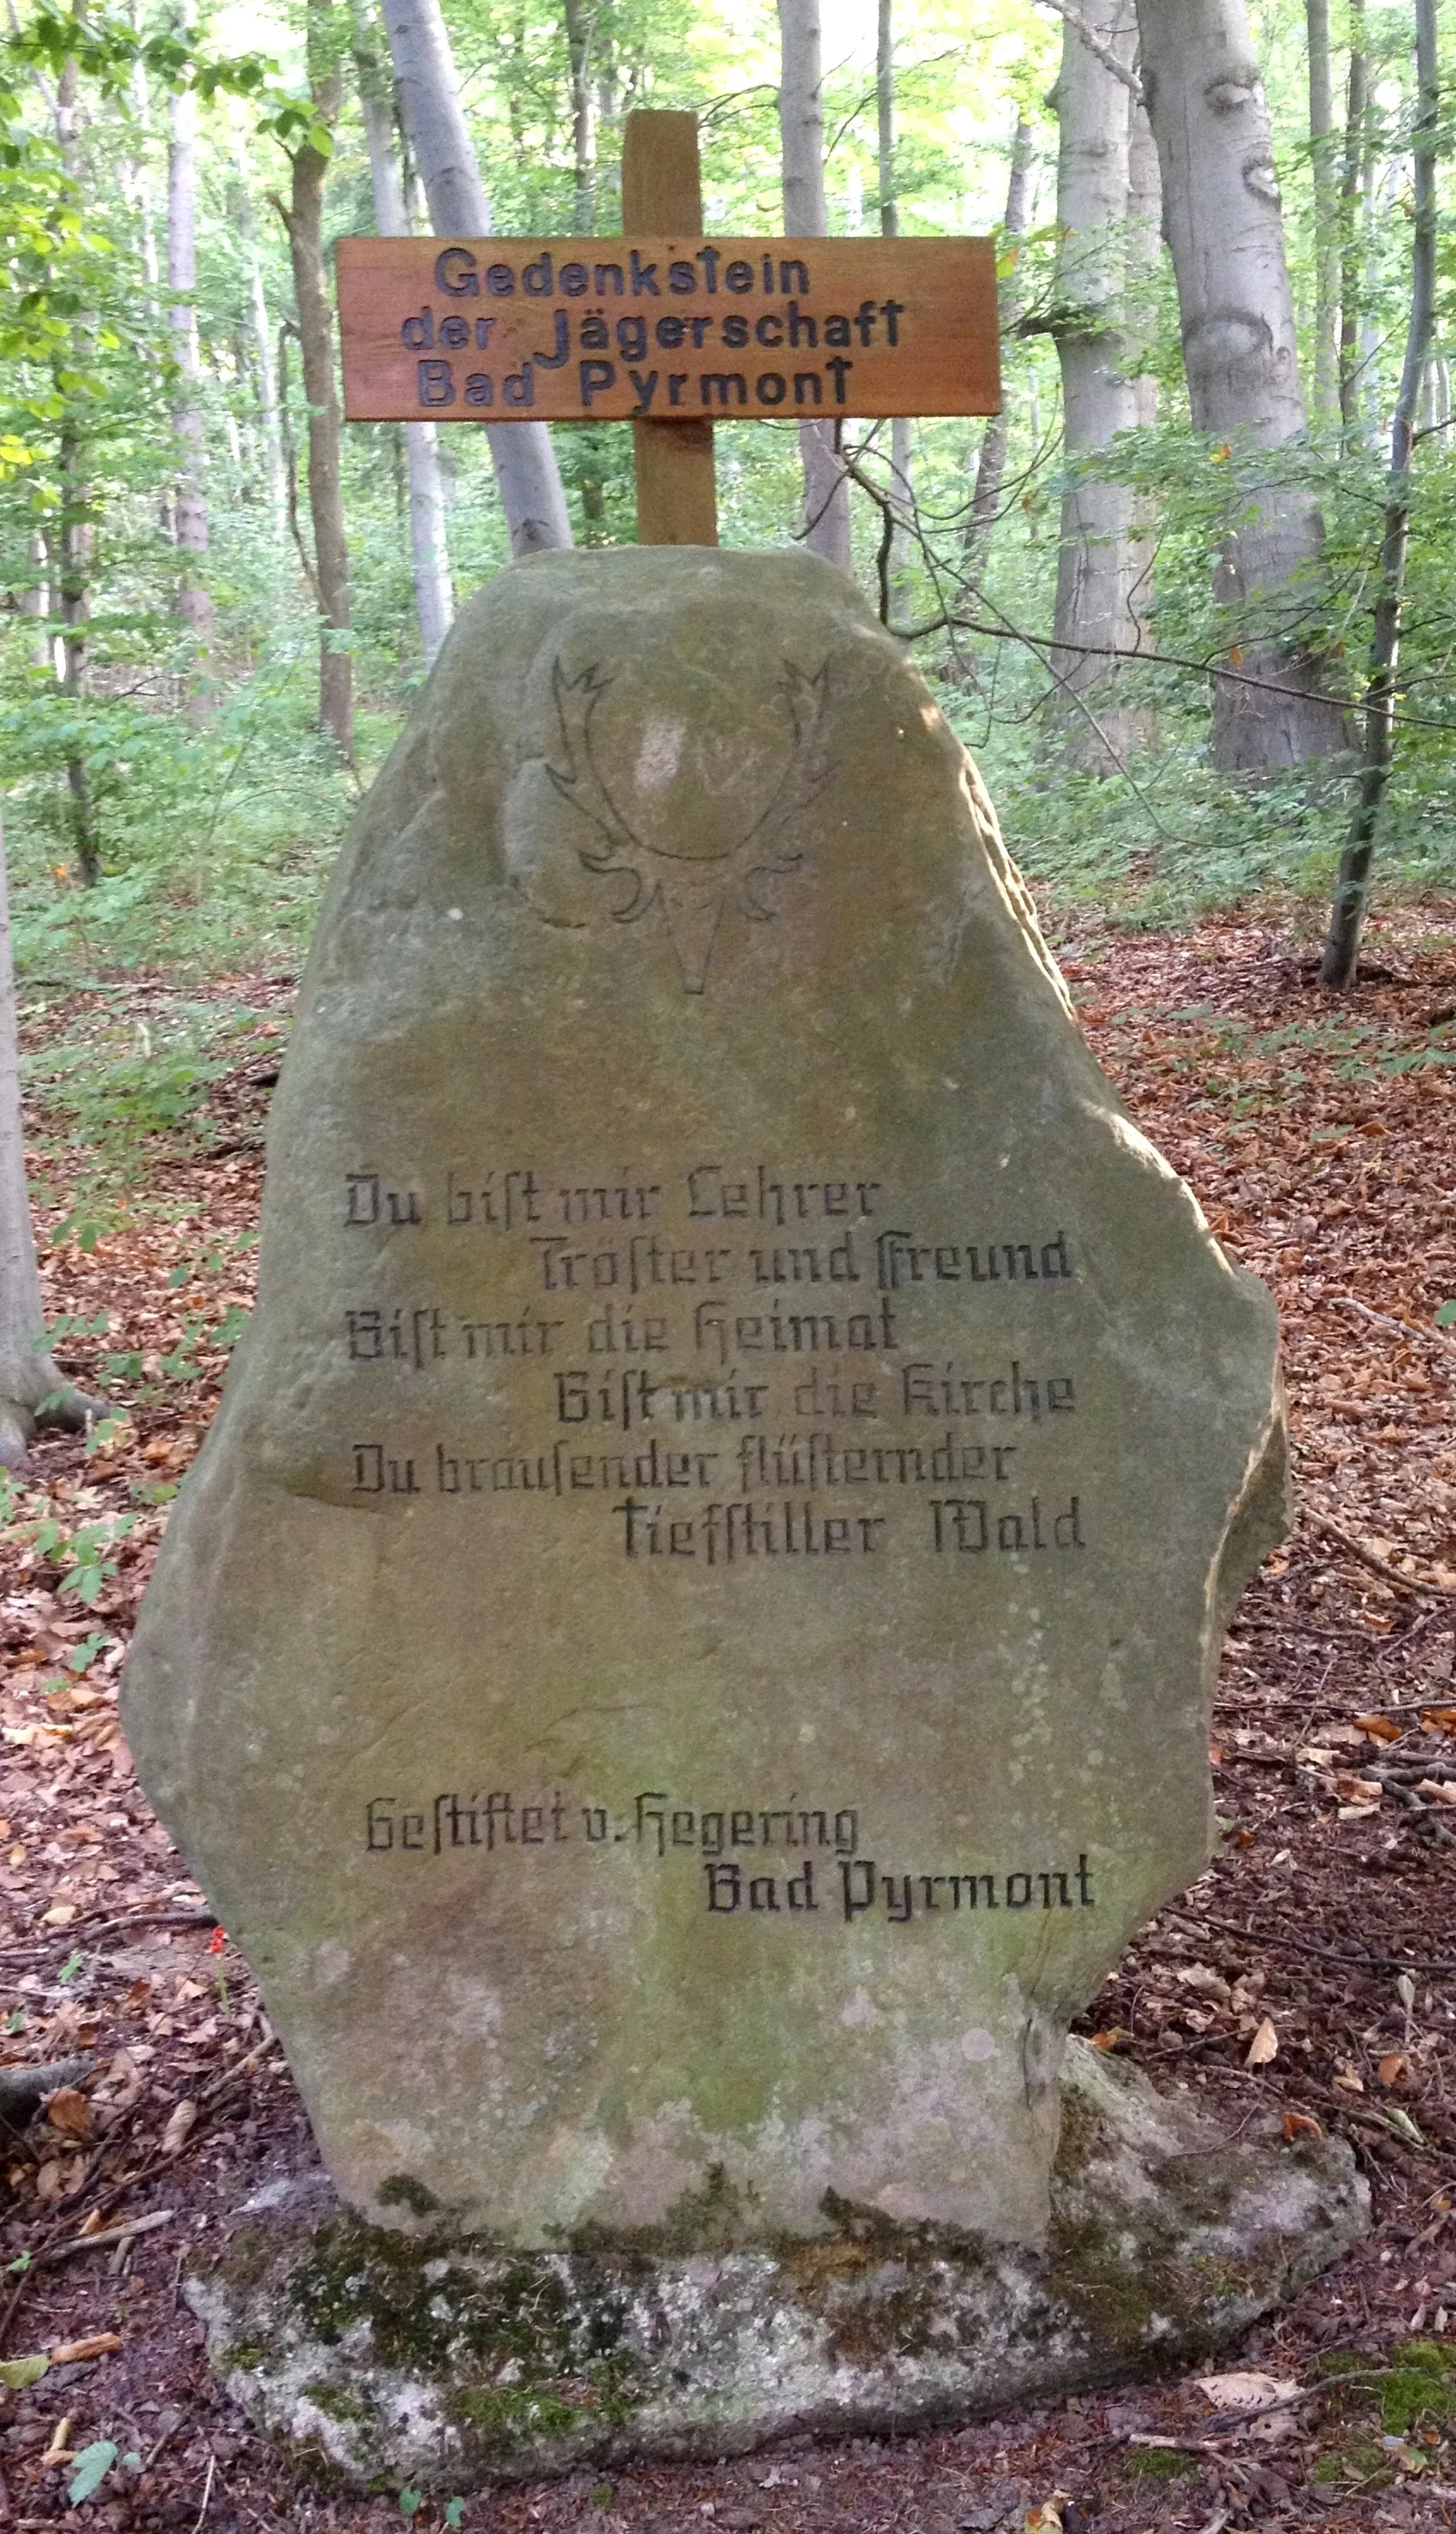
<point>68,2111</point>
<point>179,2129</point>
<point>1246,2390</point>
<point>1263,2048</point>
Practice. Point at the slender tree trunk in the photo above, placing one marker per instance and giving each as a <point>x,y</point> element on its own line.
<point>260,327</point>
<point>525,462</point>
<point>1144,254</point>
<point>1352,259</point>
<point>1225,231</point>
<point>36,601</point>
<point>194,600</point>
<point>304,219</point>
<point>805,214</point>
<point>581,24</point>
<point>901,486</point>
<point>76,539</point>
<point>990,465</point>
<point>34,1391</point>
<point>434,597</point>
<point>1096,571</point>
<point>1326,211</point>
<point>1353,885</point>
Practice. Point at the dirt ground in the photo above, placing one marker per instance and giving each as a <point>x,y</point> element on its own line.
<point>1311,1970</point>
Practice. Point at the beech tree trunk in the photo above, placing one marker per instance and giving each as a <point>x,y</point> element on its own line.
<point>801,122</point>
<point>1327,209</point>
<point>190,501</point>
<point>304,219</point>
<point>991,464</point>
<point>76,539</point>
<point>1353,884</point>
<point>581,24</point>
<point>434,597</point>
<point>901,486</point>
<point>1225,228</point>
<point>33,1392</point>
<point>35,601</point>
<point>260,364</point>
<point>525,462</point>
<point>1099,558</point>
<point>1352,197</point>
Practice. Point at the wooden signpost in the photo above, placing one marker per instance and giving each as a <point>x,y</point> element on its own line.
<point>666,328</point>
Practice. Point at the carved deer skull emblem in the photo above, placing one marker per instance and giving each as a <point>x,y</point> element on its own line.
<point>691,868</point>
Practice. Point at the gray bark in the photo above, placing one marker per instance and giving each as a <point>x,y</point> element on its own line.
<point>581,25</point>
<point>801,123</point>
<point>1352,237</point>
<point>303,217</point>
<point>36,601</point>
<point>525,462</point>
<point>260,328</point>
<point>1225,228</point>
<point>1099,558</point>
<point>901,488</point>
<point>1353,884</point>
<point>434,597</point>
<point>991,464</point>
<point>190,510</point>
<point>29,1374</point>
<point>1327,209</point>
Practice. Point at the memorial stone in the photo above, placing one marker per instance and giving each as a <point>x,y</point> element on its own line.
<point>687,1653</point>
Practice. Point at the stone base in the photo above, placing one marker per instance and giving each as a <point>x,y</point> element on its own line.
<point>379,2358</point>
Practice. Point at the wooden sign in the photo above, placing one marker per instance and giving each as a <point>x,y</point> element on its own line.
<point>666,328</point>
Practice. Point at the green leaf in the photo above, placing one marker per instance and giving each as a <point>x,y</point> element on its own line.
<point>18,2372</point>
<point>455,2510</point>
<point>411,2501</point>
<point>92,2467</point>
<point>1445,1317</point>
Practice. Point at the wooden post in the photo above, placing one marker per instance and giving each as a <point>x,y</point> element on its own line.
<point>662,197</point>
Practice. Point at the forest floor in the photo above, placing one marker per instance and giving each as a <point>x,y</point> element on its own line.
<point>1310,1970</point>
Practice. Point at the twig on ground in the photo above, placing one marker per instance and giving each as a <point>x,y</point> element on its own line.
<point>1383,1319</point>
<point>1256,1936</point>
<point>105,2236</point>
<point>1388,1574</point>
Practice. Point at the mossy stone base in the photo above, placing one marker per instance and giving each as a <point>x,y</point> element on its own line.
<point>381,2358</point>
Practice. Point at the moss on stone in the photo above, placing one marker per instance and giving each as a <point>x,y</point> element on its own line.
<point>401,2191</point>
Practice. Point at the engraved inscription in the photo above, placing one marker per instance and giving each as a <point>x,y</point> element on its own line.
<point>735,1367</point>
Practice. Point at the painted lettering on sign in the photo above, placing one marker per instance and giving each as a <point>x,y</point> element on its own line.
<point>576,330</point>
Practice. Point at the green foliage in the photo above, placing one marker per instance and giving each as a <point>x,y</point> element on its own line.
<point>213,805</point>
<point>92,2464</point>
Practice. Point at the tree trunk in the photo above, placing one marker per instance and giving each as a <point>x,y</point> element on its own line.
<point>1327,209</point>
<point>260,330</point>
<point>304,218</point>
<point>805,214</point>
<point>1353,885</point>
<point>1096,567</point>
<point>189,511</point>
<point>36,601</point>
<point>990,465</point>
<point>901,486</point>
<point>75,521</point>
<point>1352,181</point>
<point>1225,228</point>
<point>434,597</point>
<point>33,1392</point>
<point>525,462</point>
<point>581,24</point>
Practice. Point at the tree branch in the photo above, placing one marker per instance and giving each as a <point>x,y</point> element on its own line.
<point>1097,48</point>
